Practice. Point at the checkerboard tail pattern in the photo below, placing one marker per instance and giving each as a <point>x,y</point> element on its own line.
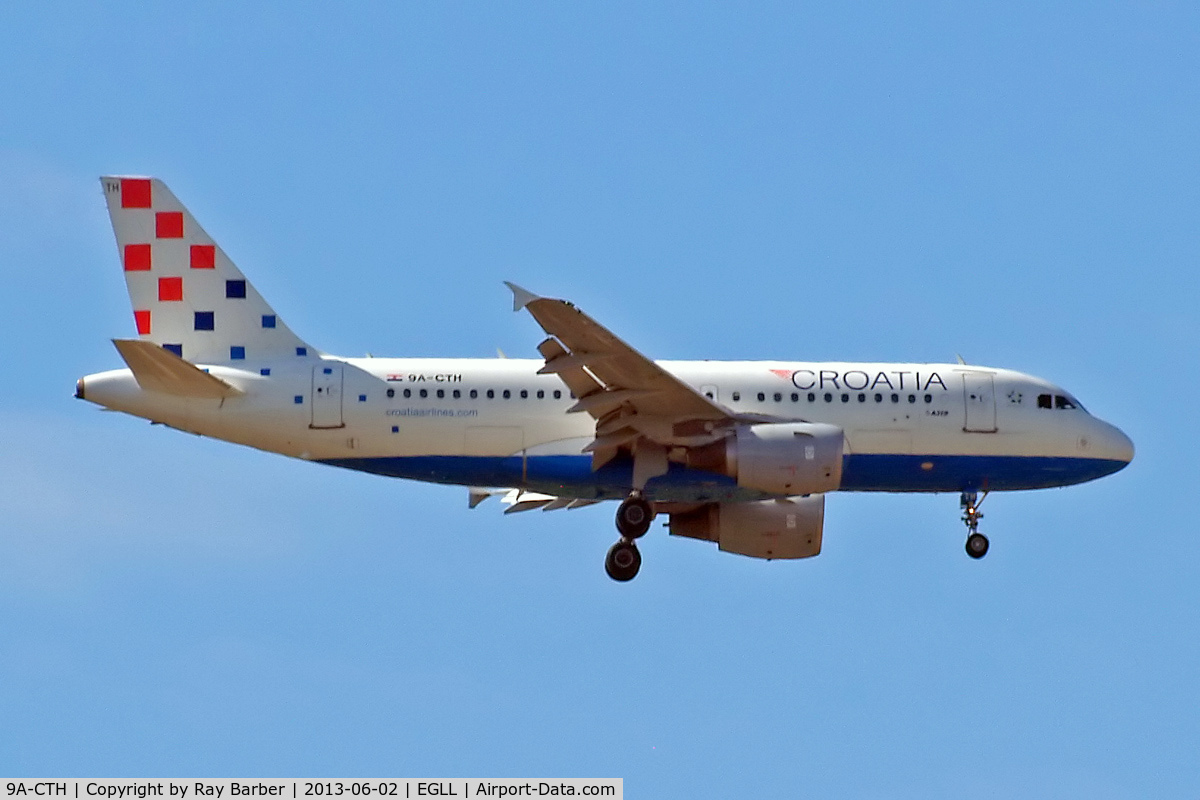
<point>187,295</point>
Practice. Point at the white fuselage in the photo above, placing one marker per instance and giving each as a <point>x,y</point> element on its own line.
<point>908,427</point>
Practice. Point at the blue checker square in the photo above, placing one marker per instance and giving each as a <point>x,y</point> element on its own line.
<point>235,289</point>
<point>299,399</point>
<point>265,371</point>
<point>301,351</point>
<point>362,398</point>
<point>204,321</point>
<point>268,320</point>
<point>395,429</point>
<point>177,349</point>
<point>237,353</point>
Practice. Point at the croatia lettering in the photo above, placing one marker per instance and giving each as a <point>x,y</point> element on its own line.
<point>857,380</point>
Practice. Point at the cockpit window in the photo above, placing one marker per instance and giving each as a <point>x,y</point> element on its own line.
<point>1062,401</point>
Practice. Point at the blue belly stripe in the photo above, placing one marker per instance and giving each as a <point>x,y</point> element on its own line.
<point>572,476</point>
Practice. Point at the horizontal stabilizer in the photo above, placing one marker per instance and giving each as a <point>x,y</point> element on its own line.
<point>159,370</point>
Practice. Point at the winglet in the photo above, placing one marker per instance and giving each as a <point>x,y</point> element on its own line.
<point>477,494</point>
<point>521,297</point>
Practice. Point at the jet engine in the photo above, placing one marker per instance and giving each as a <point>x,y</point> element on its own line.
<point>787,528</point>
<point>781,458</point>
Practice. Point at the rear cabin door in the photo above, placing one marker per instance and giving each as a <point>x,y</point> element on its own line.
<point>326,397</point>
<point>979,395</point>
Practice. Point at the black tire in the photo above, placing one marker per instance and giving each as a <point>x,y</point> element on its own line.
<point>634,516</point>
<point>623,561</point>
<point>977,545</point>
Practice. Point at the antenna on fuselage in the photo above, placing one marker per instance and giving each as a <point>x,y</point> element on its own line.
<point>960,359</point>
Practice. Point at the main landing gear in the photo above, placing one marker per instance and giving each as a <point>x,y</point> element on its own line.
<point>977,543</point>
<point>634,516</point>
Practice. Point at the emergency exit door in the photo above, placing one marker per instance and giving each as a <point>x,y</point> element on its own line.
<point>326,399</point>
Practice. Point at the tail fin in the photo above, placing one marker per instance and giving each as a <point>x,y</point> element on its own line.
<point>187,296</point>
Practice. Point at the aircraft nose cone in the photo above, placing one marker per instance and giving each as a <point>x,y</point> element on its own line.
<point>1117,445</point>
<point>1124,446</point>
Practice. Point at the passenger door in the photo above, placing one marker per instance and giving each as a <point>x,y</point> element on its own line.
<point>326,397</point>
<point>979,396</point>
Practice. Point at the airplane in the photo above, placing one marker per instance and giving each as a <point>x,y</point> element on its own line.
<point>738,453</point>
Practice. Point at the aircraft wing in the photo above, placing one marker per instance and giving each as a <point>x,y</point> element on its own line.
<point>635,402</point>
<point>519,500</point>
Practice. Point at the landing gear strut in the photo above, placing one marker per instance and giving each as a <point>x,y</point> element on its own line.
<point>634,516</point>
<point>977,543</point>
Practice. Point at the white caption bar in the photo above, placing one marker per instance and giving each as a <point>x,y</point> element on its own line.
<point>293,789</point>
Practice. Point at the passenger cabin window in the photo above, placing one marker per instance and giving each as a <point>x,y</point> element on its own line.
<point>737,396</point>
<point>761,397</point>
<point>474,393</point>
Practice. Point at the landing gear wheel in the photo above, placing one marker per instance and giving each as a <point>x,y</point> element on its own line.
<point>634,516</point>
<point>977,545</point>
<point>623,561</point>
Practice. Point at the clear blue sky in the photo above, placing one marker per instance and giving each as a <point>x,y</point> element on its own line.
<point>1007,181</point>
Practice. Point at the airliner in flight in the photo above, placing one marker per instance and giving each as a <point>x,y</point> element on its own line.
<point>740,453</point>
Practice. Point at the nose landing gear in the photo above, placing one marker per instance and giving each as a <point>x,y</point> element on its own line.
<point>977,543</point>
<point>634,516</point>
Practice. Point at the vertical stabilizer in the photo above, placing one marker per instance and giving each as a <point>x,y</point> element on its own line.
<point>187,296</point>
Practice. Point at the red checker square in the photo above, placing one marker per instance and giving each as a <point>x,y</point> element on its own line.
<point>142,318</point>
<point>204,256</point>
<point>170,289</point>
<point>135,193</point>
<point>137,257</point>
<point>168,224</point>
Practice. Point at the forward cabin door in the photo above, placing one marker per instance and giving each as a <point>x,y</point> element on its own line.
<point>326,398</point>
<point>979,395</point>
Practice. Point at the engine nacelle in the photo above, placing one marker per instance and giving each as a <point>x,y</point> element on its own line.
<point>780,458</point>
<point>788,528</point>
